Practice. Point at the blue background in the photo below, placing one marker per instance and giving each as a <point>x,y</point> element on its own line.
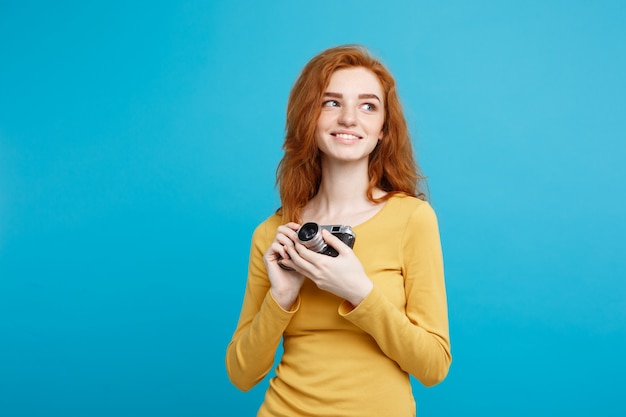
<point>138,146</point>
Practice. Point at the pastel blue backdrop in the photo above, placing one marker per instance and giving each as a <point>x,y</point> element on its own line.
<point>138,146</point>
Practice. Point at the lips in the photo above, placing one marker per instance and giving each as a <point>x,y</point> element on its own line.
<point>347,136</point>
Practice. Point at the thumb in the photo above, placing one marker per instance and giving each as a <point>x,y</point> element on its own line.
<point>339,245</point>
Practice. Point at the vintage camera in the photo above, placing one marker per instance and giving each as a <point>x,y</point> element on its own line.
<point>310,235</point>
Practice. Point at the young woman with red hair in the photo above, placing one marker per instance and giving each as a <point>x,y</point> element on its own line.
<point>356,324</point>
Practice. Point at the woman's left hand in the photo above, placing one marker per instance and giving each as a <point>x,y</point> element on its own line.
<point>342,275</point>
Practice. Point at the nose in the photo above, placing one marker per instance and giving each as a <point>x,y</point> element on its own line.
<point>347,117</point>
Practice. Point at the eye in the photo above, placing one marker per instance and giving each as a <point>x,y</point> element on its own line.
<point>369,107</point>
<point>330,103</point>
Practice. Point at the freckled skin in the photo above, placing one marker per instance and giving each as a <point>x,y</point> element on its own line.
<point>351,122</point>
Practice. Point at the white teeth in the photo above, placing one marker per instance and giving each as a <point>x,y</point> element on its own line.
<point>346,136</point>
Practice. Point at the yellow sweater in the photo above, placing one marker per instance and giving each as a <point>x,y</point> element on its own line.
<point>343,361</point>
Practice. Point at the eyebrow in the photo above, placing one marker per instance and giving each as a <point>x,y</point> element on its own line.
<point>361,96</point>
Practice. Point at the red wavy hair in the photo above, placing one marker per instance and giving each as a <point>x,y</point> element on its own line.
<point>392,165</point>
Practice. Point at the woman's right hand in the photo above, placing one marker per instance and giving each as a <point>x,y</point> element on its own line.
<point>285,281</point>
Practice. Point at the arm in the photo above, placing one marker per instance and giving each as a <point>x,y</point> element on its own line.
<point>417,338</point>
<point>251,352</point>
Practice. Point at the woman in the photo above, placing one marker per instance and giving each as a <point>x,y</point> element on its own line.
<point>356,325</point>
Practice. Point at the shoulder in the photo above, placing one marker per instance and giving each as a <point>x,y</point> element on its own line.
<point>267,228</point>
<point>421,228</point>
<point>412,215</point>
<point>265,232</point>
<point>411,206</point>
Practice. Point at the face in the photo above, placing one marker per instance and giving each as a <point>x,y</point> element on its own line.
<point>353,113</point>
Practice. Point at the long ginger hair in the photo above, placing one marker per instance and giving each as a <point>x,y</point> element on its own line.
<point>392,165</point>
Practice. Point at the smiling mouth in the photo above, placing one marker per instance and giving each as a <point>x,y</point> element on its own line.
<point>346,136</point>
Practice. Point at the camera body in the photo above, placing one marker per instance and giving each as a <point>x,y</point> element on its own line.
<point>310,235</point>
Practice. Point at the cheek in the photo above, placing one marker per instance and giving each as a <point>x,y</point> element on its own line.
<point>319,141</point>
<point>324,119</point>
<point>324,122</point>
<point>380,127</point>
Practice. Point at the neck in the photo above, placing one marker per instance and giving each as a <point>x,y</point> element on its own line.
<point>342,192</point>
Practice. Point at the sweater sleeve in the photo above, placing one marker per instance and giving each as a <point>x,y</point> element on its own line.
<point>252,349</point>
<point>417,338</point>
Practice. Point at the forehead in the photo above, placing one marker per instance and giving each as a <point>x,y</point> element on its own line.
<point>356,79</point>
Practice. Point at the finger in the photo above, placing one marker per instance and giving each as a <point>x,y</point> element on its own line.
<point>293,226</point>
<point>289,230</point>
<point>286,264</point>
<point>335,242</point>
<point>283,239</point>
<point>276,251</point>
<point>306,258</point>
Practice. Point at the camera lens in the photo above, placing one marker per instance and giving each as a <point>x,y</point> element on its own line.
<point>308,231</point>
<point>310,236</point>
